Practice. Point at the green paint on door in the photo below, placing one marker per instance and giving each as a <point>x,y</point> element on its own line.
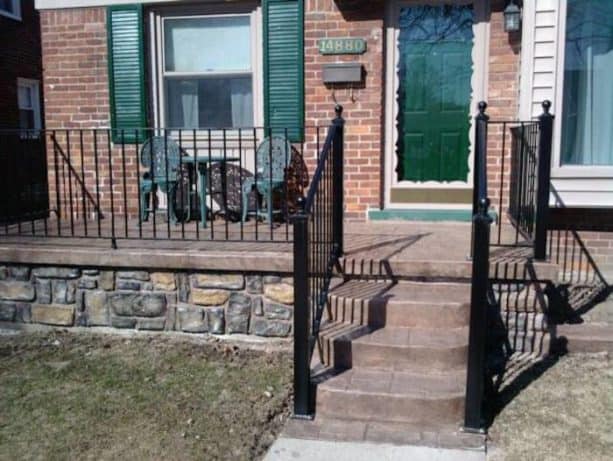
<point>435,69</point>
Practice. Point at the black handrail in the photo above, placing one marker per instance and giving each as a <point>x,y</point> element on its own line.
<point>318,243</point>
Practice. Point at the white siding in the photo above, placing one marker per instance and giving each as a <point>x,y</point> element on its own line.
<point>541,61</point>
<point>544,54</point>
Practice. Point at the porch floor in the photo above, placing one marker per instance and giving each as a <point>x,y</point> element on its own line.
<point>409,247</point>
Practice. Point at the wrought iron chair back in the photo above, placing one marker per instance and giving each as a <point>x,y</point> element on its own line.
<point>162,156</point>
<point>273,156</point>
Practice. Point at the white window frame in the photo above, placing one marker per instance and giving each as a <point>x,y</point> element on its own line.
<point>34,87</point>
<point>156,46</point>
<point>16,13</point>
<point>479,84</point>
<point>559,170</point>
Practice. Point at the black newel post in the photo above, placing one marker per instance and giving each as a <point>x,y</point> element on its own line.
<point>302,367</point>
<point>480,248</point>
<point>480,152</point>
<point>544,178</point>
<point>338,179</point>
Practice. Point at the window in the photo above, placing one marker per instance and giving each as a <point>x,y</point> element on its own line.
<point>29,104</point>
<point>207,71</point>
<point>587,113</point>
<point>10,8</point>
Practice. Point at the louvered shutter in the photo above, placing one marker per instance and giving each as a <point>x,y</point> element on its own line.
<point>284,66</point>
<point>126,70</point>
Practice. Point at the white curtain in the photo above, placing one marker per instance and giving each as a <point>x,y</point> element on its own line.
<point>587,123</point>
<point>183,104</point>
<point>242,102</point>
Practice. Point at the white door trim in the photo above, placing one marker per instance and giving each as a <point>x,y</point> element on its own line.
<point>479,83</point>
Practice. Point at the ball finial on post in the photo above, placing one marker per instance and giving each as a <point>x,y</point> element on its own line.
<point>338,110</point>
<point>546,106</point>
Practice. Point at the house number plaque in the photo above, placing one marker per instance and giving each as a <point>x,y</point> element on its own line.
<point>341,46</point>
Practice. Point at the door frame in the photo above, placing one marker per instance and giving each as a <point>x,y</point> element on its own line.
<point>479,83</point>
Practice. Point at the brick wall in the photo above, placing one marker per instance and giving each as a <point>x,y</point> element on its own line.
<point>502,99</point>
<point>19,57</point>
<point>75,68</point>
<point>75,76</point>
<point>363,106</point>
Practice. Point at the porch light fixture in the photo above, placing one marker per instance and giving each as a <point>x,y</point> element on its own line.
<point>512,17</point>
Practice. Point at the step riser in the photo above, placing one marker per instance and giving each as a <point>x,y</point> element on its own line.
<point>437,316</point>
<point>373,407</point>
<point>347,355</point>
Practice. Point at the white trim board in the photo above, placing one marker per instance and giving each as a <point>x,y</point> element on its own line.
<point>57,4</point>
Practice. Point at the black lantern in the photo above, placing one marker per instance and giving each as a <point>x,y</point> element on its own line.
<point>512,17</point>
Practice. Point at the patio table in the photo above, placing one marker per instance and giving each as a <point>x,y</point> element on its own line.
<point>201,162</point>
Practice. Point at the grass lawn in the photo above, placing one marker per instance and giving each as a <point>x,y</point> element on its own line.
<point>86,396</point>
<point>565,414</point>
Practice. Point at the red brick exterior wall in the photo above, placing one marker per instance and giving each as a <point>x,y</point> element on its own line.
<point>75,76</point>
<point>19,57</point>
<point>364,113</point>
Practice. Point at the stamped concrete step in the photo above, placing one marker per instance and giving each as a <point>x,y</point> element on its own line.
<point>507,268</point>
<point>410,304</point>
<point>356,430</point>
<point>584,337</point>
<point>403,349</point>
<point>393,396</point>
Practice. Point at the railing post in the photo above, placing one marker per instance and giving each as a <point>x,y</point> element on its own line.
<point>302,367</point>
<point>338,178</point>
<point>475,378</point>
<point>544,177</point>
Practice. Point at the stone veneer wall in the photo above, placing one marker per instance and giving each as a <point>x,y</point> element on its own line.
<point>192,302</point>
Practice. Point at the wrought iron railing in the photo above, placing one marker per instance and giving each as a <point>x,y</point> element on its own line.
<point>523,163</point>
<point>318,243</point>
<point>526,191</point>
<point>230,184</point>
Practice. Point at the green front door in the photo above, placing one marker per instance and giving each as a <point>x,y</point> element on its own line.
<point>435,68</point>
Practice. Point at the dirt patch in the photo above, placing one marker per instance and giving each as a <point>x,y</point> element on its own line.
<point>80,396</point>
<point>565,414</point>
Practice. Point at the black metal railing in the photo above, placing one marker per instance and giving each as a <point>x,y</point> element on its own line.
<point>526,192</point>
<point>230,184</point>
<point>523,163</point>
<point>318,243</point>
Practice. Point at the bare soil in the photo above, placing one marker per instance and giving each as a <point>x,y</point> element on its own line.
<point>86,396</point>
<point>558,409</point>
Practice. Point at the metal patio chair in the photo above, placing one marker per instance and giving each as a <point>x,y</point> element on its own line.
<point>273,156</point>
<point>161,155</point>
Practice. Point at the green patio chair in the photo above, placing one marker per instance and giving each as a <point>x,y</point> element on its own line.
<point>161,155</point>
<point>273,156</point>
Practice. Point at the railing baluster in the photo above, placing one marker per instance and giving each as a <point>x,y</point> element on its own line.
<point>125,185</point>
<point>97,177</point>
<point>83,188</point>
<point>110,150</point>
<point>138,179</point>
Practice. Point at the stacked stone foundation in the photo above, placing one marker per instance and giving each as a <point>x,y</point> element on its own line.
<point>218,303</point>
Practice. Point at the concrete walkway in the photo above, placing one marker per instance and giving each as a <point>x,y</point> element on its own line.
<point>291,449</point>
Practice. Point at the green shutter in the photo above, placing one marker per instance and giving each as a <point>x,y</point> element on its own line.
<point>126,70</point>
<point>284,66</point>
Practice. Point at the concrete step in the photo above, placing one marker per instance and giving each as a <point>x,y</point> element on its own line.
<point>504,268</point>
<point>355,430</point>
<point>584,337</point>
<point>381,395</point>
<point>404,304</point>
<point>402,349</point>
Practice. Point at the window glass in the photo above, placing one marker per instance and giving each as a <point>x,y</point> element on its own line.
<point>27,98</point>
<point>587,113</point>
<point>213,102</point>
<point>9,6</point>
<point>207,44</point>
